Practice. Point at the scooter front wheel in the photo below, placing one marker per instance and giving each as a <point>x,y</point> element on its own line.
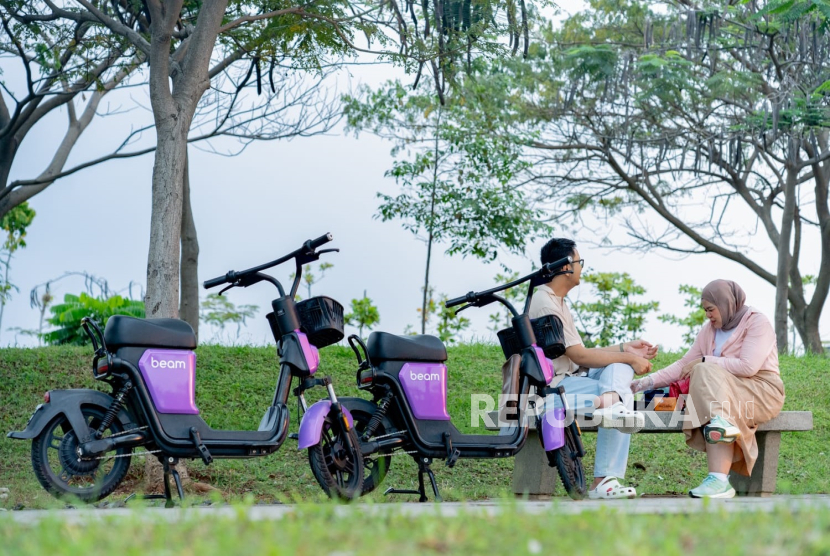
<point>569,465</point>
<point>336,462</point>
<point>377,465</point>
<point>62,473</point>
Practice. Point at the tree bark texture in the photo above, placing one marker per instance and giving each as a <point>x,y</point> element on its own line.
<point>189,306</point>
<point>173,112</point>
<point>782,285</point>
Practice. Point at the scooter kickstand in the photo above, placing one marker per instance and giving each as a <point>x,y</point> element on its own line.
<point>169,467</point>
<point>431,476</point>
<point>423,467</point>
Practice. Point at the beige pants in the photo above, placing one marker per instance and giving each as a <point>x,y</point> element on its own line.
<point>744,402</point>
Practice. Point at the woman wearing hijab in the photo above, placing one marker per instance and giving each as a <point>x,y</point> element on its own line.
<point>734,385</point>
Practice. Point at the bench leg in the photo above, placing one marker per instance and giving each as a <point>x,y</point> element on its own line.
<point>765,472</point>
<point>531,473</point>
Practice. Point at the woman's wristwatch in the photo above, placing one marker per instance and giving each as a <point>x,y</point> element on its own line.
<point>622,347</point>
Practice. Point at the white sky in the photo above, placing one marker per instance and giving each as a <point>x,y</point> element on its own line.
<point>263,203</point>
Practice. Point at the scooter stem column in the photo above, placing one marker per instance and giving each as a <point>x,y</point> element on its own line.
<point>330,389</point>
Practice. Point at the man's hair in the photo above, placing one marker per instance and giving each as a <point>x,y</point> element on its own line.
<point>557,248</point>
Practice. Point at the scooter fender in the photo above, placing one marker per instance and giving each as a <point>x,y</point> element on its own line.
<point>553,429</point>
<point>311,427</point>
<point>68,403</point>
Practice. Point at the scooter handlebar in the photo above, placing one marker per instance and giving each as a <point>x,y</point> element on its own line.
<point>469,297</point>
<point>213,282</point>
<point>320,241</point>
<point>547,271</point>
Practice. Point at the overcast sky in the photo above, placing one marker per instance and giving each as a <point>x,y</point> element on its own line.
<point>259,205</point>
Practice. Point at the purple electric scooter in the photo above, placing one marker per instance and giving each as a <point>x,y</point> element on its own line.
<point>407,377</point>
<point>82,440</point>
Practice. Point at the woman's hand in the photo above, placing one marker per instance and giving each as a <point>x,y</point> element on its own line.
<point>642,384</point>
<point>641,365</point>
<point>687,368</point>
<point>641,348</point>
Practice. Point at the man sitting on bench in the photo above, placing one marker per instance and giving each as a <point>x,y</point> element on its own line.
<point>602,375</point>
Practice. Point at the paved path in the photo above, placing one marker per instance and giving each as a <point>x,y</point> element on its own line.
<point>448,509</point>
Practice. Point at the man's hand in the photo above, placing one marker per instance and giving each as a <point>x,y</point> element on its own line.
<point>687,369</point>
<point>641,366</point>
<point>641,348</point>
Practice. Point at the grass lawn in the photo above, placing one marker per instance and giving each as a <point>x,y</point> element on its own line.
<point>235,385</point>
<point>316,530</point>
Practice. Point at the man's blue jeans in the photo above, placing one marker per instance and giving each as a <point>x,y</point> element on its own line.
<point>612,445</point>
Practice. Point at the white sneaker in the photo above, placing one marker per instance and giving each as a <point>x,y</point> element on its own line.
<point>620,418</point>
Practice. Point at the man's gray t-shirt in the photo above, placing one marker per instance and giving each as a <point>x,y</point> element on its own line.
<point>545,302</point>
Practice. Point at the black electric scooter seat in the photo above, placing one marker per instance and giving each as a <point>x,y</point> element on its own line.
<point>163,333</point>
<point>389,347</point>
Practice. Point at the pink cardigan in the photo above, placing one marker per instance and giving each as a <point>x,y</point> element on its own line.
<point>751,348</point>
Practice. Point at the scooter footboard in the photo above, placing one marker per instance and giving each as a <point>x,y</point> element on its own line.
<point>311,427</point>
<point>553,429</point>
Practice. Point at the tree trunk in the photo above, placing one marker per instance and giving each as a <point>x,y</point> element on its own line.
<point>172,114</point>
<point>162,299</point>
<point>430,225</point>
<point>808,330</point>
<point>425,302</point>
<point>782,285</point>
<point>189,306</point>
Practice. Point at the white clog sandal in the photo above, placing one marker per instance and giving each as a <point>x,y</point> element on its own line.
<point>620,418</point>
<point>611,489</point>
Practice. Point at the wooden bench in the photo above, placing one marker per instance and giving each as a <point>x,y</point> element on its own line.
<point>533,476</point>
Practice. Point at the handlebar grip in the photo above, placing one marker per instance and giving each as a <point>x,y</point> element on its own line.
<point>467,298</point>
<point>213,282</point>
<point>322,240</point>
<point>556,265</point>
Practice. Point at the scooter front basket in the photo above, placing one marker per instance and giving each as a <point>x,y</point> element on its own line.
<point>321,318</point>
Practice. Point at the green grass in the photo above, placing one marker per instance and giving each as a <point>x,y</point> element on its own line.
<point>317,530</point>
<point>235,385</point>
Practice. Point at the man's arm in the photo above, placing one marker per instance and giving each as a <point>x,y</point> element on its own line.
<point>640,348</point>
<point>597,357</point>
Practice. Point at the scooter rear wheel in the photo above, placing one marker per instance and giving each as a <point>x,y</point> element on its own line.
<point>57,466</point>
<point>569,465</point>
<point>337,464</point>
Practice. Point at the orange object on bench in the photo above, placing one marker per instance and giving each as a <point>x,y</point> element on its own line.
<point>664,403</point>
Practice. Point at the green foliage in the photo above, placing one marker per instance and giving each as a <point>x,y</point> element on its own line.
<point>14,223</point>
<point>614,316</point>
<point>310,278</point>
<point>428,310</point>
<point>692,321</point>
<point>794,527</point>
<point>219,311</point>
<point>364,314</point>
<point>455,185</point>
<point>659,464</point>
<point>450,324</point>
<point>67,316</point>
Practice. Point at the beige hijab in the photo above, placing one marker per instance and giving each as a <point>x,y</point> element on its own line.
<point>729,298</point>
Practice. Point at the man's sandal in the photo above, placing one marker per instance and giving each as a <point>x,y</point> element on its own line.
<point>610,489</point>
